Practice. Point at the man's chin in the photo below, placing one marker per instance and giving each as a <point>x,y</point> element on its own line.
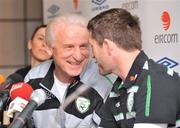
<point>74,74</point>
<point>103,72</point>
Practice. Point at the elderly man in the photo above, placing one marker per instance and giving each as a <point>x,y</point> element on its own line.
<point>70,69</point>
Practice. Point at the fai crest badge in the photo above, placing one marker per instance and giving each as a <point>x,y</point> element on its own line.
<point>82,104</point>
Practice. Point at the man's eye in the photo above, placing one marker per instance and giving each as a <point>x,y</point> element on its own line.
<point>84,46</point>
<point>69,47</point>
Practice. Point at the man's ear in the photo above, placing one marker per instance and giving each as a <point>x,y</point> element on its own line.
<point>108,45</point>
<point>29,45</point>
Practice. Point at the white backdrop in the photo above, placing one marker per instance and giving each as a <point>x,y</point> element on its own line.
<point>159,19</point>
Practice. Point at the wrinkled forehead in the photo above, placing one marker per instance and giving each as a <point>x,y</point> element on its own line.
<point>72,33</point>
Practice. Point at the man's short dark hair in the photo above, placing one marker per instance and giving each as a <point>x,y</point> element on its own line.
<point>117,25</point>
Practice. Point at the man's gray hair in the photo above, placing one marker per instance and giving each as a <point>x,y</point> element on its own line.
<point>65,20</point>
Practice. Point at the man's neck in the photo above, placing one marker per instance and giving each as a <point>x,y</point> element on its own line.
<point>125,63</point>
<point>64,78</point>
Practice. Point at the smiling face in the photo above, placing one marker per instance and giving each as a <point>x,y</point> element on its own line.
<point>70,50</point>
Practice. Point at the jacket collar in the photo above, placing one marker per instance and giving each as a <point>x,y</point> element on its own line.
<point>133,73</point>
<point>48,80</point>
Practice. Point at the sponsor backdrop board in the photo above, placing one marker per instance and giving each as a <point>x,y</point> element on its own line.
<point>160,24</point>
<point>159,19</point>
<point>88,8</point>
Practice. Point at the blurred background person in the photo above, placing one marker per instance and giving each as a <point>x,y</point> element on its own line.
<point>38,49</point>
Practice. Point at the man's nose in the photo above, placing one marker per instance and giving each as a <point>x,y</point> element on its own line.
<point>77,54</point>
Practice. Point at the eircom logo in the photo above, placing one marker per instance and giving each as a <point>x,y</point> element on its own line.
<point>167,62</point>
<point>166,38</point>
<point>165,17</point>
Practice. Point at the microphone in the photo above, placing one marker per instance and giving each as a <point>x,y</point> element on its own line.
<point>22,90</point>
<point>16,106</point>
<point>4,97</point>
<point>37,98</point>
<point>20,95</point>
<point>11,79</point>
<point>6,84</point>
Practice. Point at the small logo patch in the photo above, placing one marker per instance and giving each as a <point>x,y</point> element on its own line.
<point>82,104</point>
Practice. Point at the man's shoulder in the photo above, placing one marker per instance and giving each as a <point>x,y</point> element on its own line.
<point>23,71</point>
<point>38,71</point>
<point>91,77</point>
<point>162,70</point>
